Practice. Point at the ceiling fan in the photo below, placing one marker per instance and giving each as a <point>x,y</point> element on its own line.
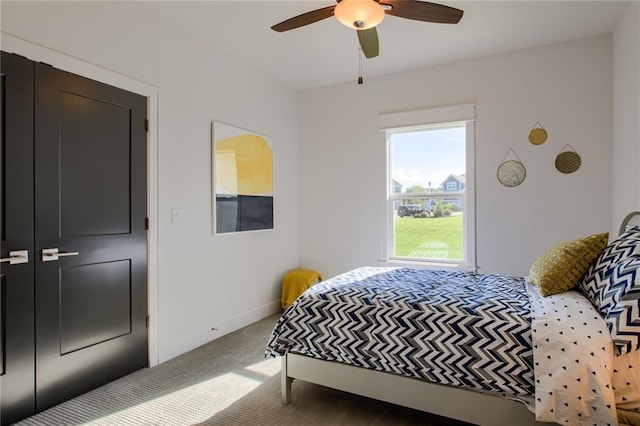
<point>365,15</point>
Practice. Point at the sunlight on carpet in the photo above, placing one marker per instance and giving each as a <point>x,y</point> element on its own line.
<point>198,402</point>
<point>269,367</point>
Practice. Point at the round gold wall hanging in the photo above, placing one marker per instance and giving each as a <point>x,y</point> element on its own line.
<point>538,135</point>
<point>511,172</point>
<point>568,161</point>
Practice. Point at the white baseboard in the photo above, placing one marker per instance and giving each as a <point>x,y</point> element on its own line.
<point>191,341</point>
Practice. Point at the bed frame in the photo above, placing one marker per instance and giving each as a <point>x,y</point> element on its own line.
<point>632,219</point>
<point>448,401</point>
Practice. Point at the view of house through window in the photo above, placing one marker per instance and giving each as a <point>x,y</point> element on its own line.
<point>428,185</point>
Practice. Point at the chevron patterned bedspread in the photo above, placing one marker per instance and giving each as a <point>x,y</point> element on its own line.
<point>454,328</point>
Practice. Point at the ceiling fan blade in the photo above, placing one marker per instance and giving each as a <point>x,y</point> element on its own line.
<point>304,19</point>
<point>423,11</point>
<point>369,42</point>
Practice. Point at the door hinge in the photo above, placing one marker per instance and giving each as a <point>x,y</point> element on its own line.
<point>146,223</point>
<point>146,125</point>
<point>147,322</point>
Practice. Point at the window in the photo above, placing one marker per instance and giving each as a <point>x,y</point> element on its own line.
<point>432,218</point>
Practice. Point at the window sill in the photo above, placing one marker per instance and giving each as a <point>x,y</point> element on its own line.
<point>428,265</point>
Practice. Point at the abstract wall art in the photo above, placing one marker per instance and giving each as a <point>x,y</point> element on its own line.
<point>242,172</point>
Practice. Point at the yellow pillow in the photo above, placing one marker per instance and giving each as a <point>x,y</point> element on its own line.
<point>561,268</point>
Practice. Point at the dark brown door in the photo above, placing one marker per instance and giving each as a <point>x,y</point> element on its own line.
<point>17,374</point>
<point>72,180</point>
<point>90,191</point>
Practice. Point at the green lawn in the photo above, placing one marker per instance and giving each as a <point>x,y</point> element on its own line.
<point>431,238</point>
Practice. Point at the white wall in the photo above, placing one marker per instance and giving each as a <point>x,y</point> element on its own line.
<point>626,115</point>
<point>204,281</point>
<point>566,87</point>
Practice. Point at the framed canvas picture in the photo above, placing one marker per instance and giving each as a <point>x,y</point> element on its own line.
<point>242,172</point>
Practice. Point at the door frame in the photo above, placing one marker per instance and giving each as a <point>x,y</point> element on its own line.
<point>68,63</point>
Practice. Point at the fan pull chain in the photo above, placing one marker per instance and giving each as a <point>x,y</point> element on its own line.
<point>360,66</point>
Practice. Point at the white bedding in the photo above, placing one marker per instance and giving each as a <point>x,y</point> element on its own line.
<point>626,381</point>
<point>573,361</point>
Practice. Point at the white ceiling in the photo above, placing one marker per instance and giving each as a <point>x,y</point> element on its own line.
<point>326,52</point>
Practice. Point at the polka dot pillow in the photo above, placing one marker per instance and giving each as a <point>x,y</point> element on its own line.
<point>619,304</point>
<point>627,244</point>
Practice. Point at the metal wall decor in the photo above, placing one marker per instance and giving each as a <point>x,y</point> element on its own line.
<point>537,135</point>
<point>568,161</point>
<point>511,172</point>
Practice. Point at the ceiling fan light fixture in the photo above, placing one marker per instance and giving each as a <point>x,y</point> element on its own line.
<point>359,14</point>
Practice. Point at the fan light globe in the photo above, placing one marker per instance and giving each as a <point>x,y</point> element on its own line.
<point>359,14</point>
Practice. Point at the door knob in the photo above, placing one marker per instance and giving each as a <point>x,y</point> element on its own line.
<point>17,256</point>
<point>51,254</point>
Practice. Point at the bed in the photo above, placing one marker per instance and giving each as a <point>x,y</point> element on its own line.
<point>481,348</point>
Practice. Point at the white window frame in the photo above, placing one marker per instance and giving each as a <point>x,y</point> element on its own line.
<point>425,120</point>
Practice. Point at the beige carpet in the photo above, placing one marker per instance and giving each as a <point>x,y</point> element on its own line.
<point>225,382</point>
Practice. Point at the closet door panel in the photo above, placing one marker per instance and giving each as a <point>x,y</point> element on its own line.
<point>17,378</point>
<point>90,180</point>
<point>94,167</point>
<point>96,302</point>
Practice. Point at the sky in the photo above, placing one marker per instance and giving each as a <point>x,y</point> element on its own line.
<point>420,157</point>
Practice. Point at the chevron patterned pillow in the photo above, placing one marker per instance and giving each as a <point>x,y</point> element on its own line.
<point>561,268</point>
<point>626,245</point>
<point>619,304</point>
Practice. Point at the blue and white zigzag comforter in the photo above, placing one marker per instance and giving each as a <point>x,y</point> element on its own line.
<point>454,328</point>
